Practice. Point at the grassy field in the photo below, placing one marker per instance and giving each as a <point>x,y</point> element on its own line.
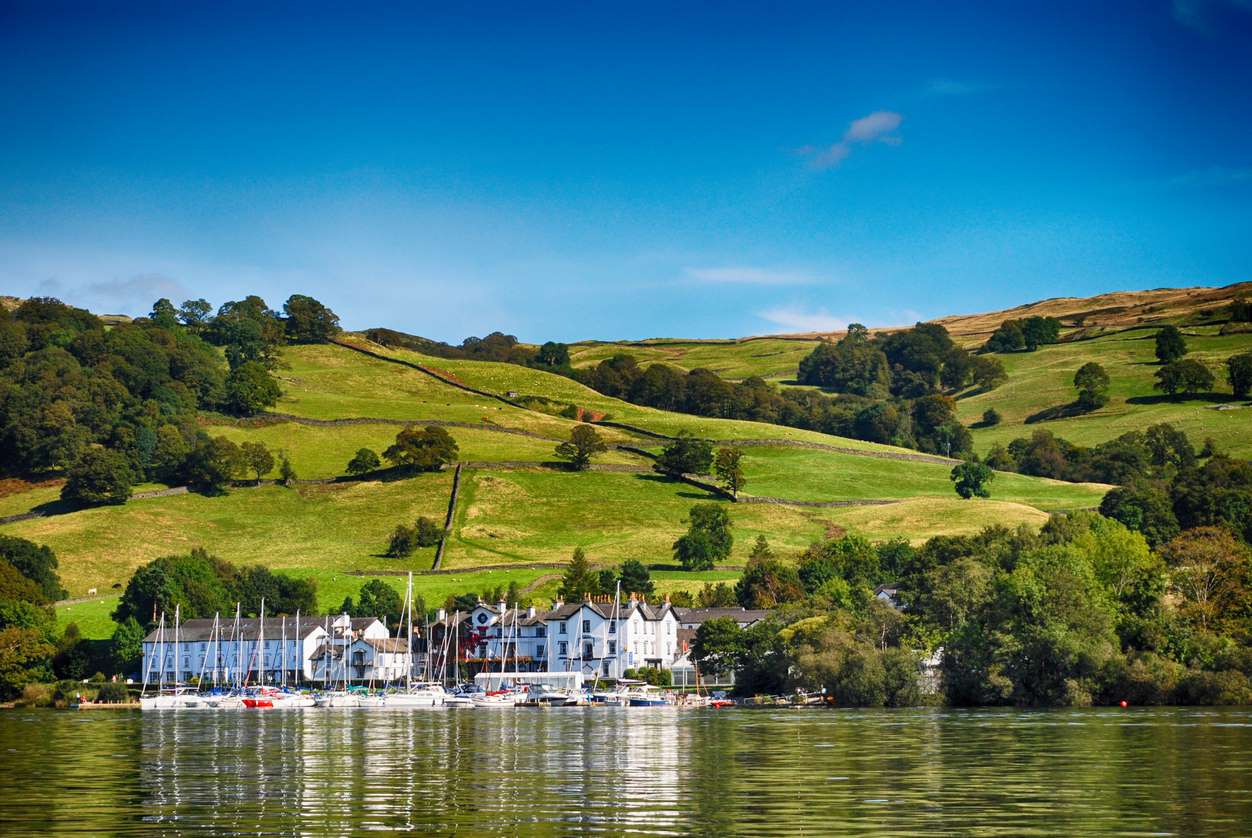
<point>337,527</point>
<point>921,518</point>
<point>504,378</point>
<point>768,358</point>
<point>1045,378</point>
<point>803,474</point>
<point>324,451</point>
<point>542,516</point>
<point>330,382</point>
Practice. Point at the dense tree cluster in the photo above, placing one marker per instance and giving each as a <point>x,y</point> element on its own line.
<point>1084,611</point>
<point>115,406</point>
<point>1025,335</point>
<point>201,585</point>
<point>580,580</point>
<point>422,449</point>
<point>28,586</point>
<point>380,600</point>
<point>1121,460</point>
<point>496,346</point>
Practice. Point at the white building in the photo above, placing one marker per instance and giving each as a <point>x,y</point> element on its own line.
<point>587,637</point>
<point>290,652</point>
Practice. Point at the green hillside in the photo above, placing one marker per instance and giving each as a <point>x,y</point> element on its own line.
<point>518,516</point>
<point>766,357</point>
<point>1045,378</point>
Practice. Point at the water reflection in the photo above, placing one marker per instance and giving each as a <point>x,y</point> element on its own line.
<point>628,770</point>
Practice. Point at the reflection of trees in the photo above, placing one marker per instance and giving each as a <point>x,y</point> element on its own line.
<point>558,772</point>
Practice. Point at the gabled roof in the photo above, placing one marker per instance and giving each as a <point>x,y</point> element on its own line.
<point>739,615</point>
<point>201,630</point>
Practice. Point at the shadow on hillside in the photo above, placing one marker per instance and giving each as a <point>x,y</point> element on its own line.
<point>57,507</point>
<point>1219,398</point>
<point>688,493</point>
<point>1060,411</point>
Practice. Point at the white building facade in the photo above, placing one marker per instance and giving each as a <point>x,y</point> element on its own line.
<point>283,650</point>
<point>591,637</point>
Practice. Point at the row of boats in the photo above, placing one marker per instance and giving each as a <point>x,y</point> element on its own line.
<point>622,694</point>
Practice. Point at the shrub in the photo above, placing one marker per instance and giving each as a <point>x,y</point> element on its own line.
<point>402,543</point>
<point>427,532</point>
<point>991,417</point>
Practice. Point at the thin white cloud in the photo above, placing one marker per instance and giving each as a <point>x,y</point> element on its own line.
<point>1214,176</point>
<point>877,127</point>
<point>797,319</point>
<point>746,275</point>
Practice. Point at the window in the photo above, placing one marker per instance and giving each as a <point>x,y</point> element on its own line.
<point>541,631</point>
<point>612,626</point>
<point>589,650</point>
<point>563,627</point>
<point>540,652</point>
<point>612,647</point>
<point>562,649</point>
<point>586,626</point>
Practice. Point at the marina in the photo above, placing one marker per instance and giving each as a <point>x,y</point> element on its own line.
<point>338,661</point>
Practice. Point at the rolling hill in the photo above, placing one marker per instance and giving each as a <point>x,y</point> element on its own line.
<point>518,514</point>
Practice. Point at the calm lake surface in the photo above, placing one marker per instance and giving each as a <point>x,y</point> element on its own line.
<point>1176,771</point>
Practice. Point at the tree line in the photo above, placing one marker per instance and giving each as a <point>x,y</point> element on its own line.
<point>116,406</point>
<point>1084,611</point>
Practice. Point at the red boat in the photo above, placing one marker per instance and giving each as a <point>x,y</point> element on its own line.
<point>257,703</point>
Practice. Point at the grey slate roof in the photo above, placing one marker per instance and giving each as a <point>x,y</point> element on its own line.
<point>199,631</point>
<point>739,615</point>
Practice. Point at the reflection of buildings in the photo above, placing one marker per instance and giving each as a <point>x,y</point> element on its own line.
<point>592,637</point>
<point>290,652</point>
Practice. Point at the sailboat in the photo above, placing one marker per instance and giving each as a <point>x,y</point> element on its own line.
<point>178,696</point>
<point>415,693</point>
<point>339,696</point>
<point>502,697</point>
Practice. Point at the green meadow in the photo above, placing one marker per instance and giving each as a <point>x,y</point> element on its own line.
<point>1045,378</point>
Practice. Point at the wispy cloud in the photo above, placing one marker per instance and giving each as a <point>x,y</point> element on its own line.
<point>798,319</point>
<point>746,275</point>
<point>1213,176</point>
<point>877,127</point>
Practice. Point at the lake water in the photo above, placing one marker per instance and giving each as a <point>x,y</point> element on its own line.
<point>1177,771</point>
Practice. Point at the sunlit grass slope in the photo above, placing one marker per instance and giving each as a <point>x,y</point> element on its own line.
<point>1045,378</point>
<point>768,358</point>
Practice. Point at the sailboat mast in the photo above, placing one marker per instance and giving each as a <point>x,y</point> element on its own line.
<point>283,671</point>
<point>178,670</point>
<point>298,673</point>
<point>260,639</point>
<point>408,638</point>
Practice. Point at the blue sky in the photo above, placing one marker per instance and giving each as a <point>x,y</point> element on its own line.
<point>624,170</point>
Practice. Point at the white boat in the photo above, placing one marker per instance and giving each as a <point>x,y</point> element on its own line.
<point>180,699</point>
<point>337,698</point>
<point>507,698</point>
<point>418,695</point>
<point>646,695</point>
